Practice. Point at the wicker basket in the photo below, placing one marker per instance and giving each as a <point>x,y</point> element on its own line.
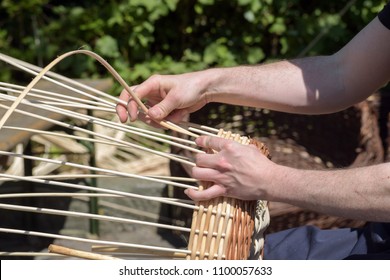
<point>227,228</point>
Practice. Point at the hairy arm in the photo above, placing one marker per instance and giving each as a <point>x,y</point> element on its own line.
<point>357,193</point>
<point>244,172</point>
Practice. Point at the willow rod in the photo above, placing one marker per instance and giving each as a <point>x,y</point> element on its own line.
<point>132,129</point>
<point>34,70</point>
<point>28,68</point>
<point>29,254</point>
<point>85,240</point>
<point>78,253</point>
<point>166,155</point>
<point>68,213</point>
<point>199,126</point>
<point>121,193</point>
<point>83,176</point>
<point>135,251</point>
<point>112,105</point>
<point>84,197</point>
<point>63,135</point>
<point>69,105</point>
<point>102,122</point>
<point>199,131</point>
<point>76,195</point>
<point>98,169</point>
<point>130,210</point>
<point>99,190</point>
<point>50,194</point>
<point>50,95</point>
<point>111,124</point>
<point>113,73</point>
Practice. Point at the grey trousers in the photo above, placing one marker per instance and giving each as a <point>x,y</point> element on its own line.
<point>309,242</point>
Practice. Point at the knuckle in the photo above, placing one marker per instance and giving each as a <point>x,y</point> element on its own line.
<point>155,77</point>
<point>229,146</point>
<point>124,95</point>
<point>224,192</point>
<point>175,99</point>
<point>224,164</point>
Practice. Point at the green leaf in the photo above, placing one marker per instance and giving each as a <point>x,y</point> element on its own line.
<point>255,55</point>
<point>107,46</point>
<point>206,2</point>
<point>171,4</point>
<point>284,44</point>
<point>244,2</point>
<point>278,27</point>
<point>249,16</point>
<point>218,53</point>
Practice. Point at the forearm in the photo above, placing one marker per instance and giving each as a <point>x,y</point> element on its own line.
<point>310,86</point>
<point>359,193</point>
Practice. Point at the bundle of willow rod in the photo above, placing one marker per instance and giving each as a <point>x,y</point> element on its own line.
<point>223,228</point>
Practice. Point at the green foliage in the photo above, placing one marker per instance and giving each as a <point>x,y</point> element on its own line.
<point>143,37</point>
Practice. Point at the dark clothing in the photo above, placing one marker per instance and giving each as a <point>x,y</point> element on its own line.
<point>371,242</point>
<point>384,16</point>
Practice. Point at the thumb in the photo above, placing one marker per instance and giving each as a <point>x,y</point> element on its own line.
<point>162,110</point>
<point>210,193</point>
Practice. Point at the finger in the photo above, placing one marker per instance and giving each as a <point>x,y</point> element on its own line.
<point>121,109</point>
<point>210,193</point>
<point>157,85</point>
<point>177,116</point>
<point>132,109</point>
<point>146,119</point>
<point>124,96</point>
<point>204,174</point>
<point>213,161</point>
<point>132,106</point>
<point>161,110</point>
<point>149,86</point>
<point>121,112</point>
<point>212,142</point>
<point>126,107</point>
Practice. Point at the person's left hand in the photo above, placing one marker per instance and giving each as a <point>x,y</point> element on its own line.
<point>236,170</point>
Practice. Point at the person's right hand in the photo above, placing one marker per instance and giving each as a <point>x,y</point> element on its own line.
<point>170,97</point>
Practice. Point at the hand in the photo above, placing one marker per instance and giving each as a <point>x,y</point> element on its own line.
<point>171,97</point>
<point>236,170</point>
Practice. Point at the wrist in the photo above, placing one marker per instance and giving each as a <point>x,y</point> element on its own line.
<point>284,184</point>
<point>228,85</point>
<point>211,81</point>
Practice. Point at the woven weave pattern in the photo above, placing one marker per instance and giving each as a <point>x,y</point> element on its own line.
<point>227,228</point>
